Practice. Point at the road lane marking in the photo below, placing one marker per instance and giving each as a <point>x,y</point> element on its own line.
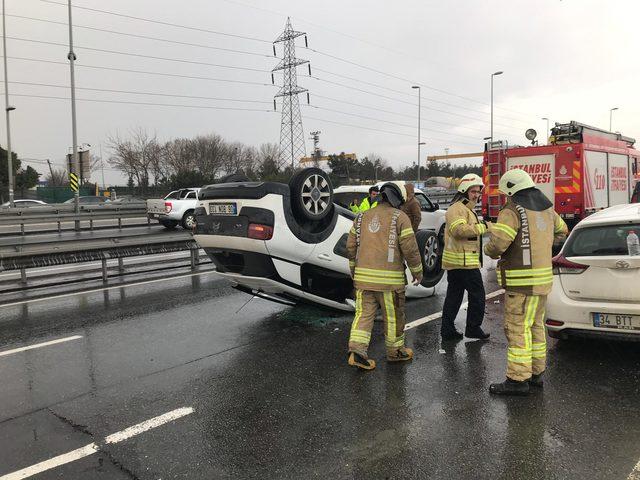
<point>635,473</point>
<point>94,447</point>
<point>435,316</point>
<point>93,290</point>
<point>39,345</point>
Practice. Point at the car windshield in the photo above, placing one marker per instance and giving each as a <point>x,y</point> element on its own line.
<point>599,241</point>
<point>425,204</point>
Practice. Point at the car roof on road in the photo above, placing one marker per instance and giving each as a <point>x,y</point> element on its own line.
<point>627,213</point>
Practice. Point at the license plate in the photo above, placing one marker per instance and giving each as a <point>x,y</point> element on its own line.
<point>616,320</point>
<point>223,209</point>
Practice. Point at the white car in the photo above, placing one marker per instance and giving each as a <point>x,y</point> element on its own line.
<point>176,208</point>
<point>22,203</point>
<point>287,243</point>
<point>596,287</point>
<point>433,218</point>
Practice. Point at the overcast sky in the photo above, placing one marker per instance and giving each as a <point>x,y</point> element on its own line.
<point>565,60</point>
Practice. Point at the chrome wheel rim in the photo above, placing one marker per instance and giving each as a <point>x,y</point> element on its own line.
<point>315,194</point>
<point>190,221</point>
<point>431,251</point>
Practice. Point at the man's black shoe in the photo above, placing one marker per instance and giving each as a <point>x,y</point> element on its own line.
<point>536,380</point>
<point>453,335</point>
<point>477,333</point>
<point>510,387</point>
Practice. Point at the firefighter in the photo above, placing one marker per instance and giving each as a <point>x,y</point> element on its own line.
<point>369,202</point>
<point>462,258</point>
<point>523,237</point>
<point>379,243</point>
<point>412,207</point>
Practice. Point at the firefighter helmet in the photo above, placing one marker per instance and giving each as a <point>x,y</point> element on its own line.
<point>468,181</point>
<point>514,181</point>
<point>394,193</point>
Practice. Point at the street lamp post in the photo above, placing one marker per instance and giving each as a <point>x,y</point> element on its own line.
<point>610,117</point>
<point>74,131</point>
<point>547,134</point>
<point>419,142</point>
<point>7,108</point>
<point>492,75</point>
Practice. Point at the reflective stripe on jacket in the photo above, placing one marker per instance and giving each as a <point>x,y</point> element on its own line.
<point>379,243</point>
<point>462,236</point>
<point>364,206</point>
<point>523,239</point>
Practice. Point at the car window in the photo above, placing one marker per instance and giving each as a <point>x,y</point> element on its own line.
<point>425,203</point>
<point>173,195</point>
<point>344,199</point>
<point>599,241</point>
<point>190,195</point>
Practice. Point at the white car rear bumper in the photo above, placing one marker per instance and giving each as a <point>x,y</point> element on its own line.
<point>577,314</point>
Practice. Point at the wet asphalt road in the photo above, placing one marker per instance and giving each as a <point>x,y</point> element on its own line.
<point>273,397</point>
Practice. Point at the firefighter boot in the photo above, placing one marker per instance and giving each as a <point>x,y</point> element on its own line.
<point>401,354</point>
<point>510,387</point>
<point>363,363</point>
<point>536,380</point>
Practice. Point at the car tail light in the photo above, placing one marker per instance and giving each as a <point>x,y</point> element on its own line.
<point>260,232</point>
<point>167,207</point>
<point>554,323</point>
<point>561,265</point>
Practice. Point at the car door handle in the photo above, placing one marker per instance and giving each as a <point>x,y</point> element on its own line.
<point>324,256</point>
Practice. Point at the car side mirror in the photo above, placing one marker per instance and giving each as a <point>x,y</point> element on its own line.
<point>436,206</point>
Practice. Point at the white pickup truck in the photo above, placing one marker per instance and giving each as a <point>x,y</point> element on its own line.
<point>176,208</point>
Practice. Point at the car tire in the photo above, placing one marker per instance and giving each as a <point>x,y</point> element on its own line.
<point>311,195</point>
<point>188,220</point>
<point>169,224</point>
<point>431,254</point>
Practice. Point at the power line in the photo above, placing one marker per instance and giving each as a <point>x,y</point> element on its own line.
<point>141,55</point>
<point>159,22</point>
<point>145,37</point>
<point>412,96</point>
<point>126,102</point>
<point>176,75</point>
<point>140,92</point>
<point>345,102</point>
<point>388,121</point>
<point>335,57</point>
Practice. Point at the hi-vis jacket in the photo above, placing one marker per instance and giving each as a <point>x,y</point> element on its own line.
<point>364,206</point>
<point>379,243</point>
<point>462,236</point>
<point>523,239</point>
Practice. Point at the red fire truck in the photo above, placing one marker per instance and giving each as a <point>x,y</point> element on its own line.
<point>583,169</point>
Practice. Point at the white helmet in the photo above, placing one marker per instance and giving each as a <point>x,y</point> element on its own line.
<point>515,180</point>
<point>468,181</point>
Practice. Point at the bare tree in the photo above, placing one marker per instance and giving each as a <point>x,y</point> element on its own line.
<point>137,156</point>
<point>57,178</point>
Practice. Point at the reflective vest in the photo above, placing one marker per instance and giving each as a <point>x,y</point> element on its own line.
<point>462,237</point>
<point>364,206</point>
<point>523,239</point>
<point>379,243</point>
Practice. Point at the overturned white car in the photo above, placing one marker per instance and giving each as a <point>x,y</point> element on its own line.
<point>287,243</point>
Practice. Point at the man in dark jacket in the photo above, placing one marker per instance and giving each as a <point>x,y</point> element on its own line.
<point>412,207</point>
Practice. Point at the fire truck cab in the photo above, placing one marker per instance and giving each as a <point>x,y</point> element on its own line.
<point>582,169</point>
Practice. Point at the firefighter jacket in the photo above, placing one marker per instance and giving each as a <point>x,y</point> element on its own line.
<point>379,243</point>
<point>364,206</point>
<point>462,237</point>
<point>523,238</point>
<point>412,207</point>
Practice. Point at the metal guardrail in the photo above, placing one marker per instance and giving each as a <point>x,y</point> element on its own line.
<point>443,197</point>
<point>62,213</point>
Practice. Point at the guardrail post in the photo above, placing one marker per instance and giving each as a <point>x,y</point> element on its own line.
<point>91,224</point>
<point>23,275</point>
<point>120,264</point>
<point>22,228</point>
<point>120,223</point>
<point>194,257</point>
<point>59,226</point>
<point>104,270</point>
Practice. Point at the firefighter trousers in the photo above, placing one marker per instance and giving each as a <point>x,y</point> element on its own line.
<point>392,306</point>
<point>524,329</point>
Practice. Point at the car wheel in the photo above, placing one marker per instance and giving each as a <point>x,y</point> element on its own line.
<point>311,194</point>
<point>169,224</point>
<point>431,253</point>
<point>189,220</point>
